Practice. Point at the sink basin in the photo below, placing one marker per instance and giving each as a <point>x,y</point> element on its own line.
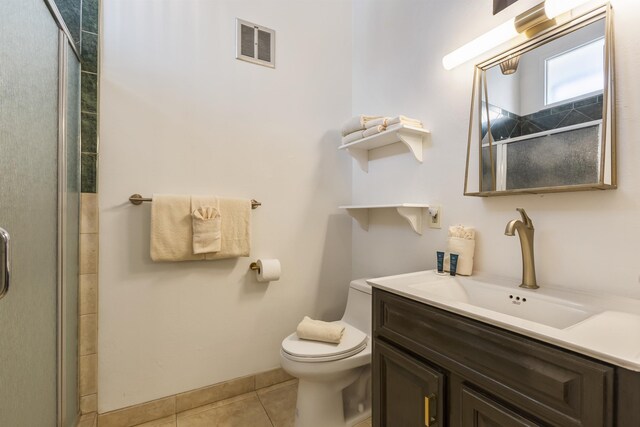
<point>527,305</point>
<point>546,307</point>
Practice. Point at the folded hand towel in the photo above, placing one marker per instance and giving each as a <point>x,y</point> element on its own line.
<point>171,235</point>
<point>206,224</point>
<point>356,123</point>
<point>352,137</point>
<point>318,330</point>
<point>462,232</point>
<point>462,242</point>
<point>405,121</point>
<point>373,131</point>
<point>236,229</point>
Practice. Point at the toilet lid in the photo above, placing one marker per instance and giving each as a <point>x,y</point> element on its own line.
<point>353,341</point>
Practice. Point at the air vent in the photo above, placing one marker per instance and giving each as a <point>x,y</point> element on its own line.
<point>255,43</point>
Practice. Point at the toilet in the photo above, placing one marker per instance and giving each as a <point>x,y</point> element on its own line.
<point>334,388</point>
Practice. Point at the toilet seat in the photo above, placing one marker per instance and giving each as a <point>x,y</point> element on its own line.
<point>353,342</point>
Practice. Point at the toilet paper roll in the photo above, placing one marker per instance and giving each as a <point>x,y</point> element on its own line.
<point>269,270</point>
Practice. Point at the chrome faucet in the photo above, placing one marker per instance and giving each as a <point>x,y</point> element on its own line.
<point>525,232</point>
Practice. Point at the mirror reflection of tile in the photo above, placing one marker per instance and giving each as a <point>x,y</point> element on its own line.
<point>499,5</point>
<point>505,124</point>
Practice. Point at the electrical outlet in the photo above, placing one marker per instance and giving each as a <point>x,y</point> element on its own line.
<point>435,221</point>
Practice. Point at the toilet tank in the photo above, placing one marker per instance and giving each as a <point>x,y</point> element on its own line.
<point>358,311</point>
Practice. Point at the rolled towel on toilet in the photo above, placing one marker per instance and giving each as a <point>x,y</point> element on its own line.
<point>317,330</point>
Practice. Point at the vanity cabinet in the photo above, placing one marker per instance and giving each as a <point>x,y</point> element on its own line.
<point>435,368</point>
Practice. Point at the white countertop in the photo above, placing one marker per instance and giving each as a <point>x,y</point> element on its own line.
<point>610,333</point>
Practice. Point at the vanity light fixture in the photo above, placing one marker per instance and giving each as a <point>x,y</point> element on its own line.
<point>530,22</point>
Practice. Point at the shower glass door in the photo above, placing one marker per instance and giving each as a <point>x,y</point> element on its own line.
<point>38,196</point>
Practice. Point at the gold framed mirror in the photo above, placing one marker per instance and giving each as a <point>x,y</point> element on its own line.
<point>543,113</point>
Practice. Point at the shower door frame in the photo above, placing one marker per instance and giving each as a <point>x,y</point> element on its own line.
<point>65,43</point>
<point>63,56</point>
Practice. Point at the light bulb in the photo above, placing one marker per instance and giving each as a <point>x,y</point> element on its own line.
<point>484,43</point>
<point>553,8</point>
<point>507,31</point>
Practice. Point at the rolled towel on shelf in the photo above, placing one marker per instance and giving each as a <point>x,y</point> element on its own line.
<point>377,122</point>
<point>373,131</point>
<point>462,242</point>
<point>404,120</point>
<point>357,123</point>
<point>206,223</point>
<point>317,330</point>
<point>352,137</point>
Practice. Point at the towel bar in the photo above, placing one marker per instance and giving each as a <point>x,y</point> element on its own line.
<point>137,199</point>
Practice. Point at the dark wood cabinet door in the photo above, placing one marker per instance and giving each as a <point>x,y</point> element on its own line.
<point>407,393</point>
<point>481,411</point>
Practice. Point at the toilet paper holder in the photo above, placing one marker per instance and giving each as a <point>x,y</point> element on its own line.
<point>267,270</point>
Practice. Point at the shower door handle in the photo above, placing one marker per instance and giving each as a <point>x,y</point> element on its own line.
<point>5,262</point>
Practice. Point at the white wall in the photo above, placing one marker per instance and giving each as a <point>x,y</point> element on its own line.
<point>583,240</point>
<point>179,114</point>
<point>504,90</point>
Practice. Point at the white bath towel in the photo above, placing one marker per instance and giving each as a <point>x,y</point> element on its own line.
<point>373,131</point>
<point>405,121</point>
<point>317,330</point>
<point>206,224</point>
<point>172,229</point>
<point>171,233</point>
<point>352,137</point>
<point>236,229</point>
<point>462,242</point>
<point>357,123</point>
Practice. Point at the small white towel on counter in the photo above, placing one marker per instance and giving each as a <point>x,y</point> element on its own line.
<point>206,224</point>
<point>357,123</point>
<point>317,330</point>
<point>462,242</point>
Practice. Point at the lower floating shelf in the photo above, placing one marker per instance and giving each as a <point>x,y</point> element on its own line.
<point>412,212</point>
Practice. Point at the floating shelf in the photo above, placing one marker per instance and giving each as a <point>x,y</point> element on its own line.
<point>412,212</point>
<point>410,136</point>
